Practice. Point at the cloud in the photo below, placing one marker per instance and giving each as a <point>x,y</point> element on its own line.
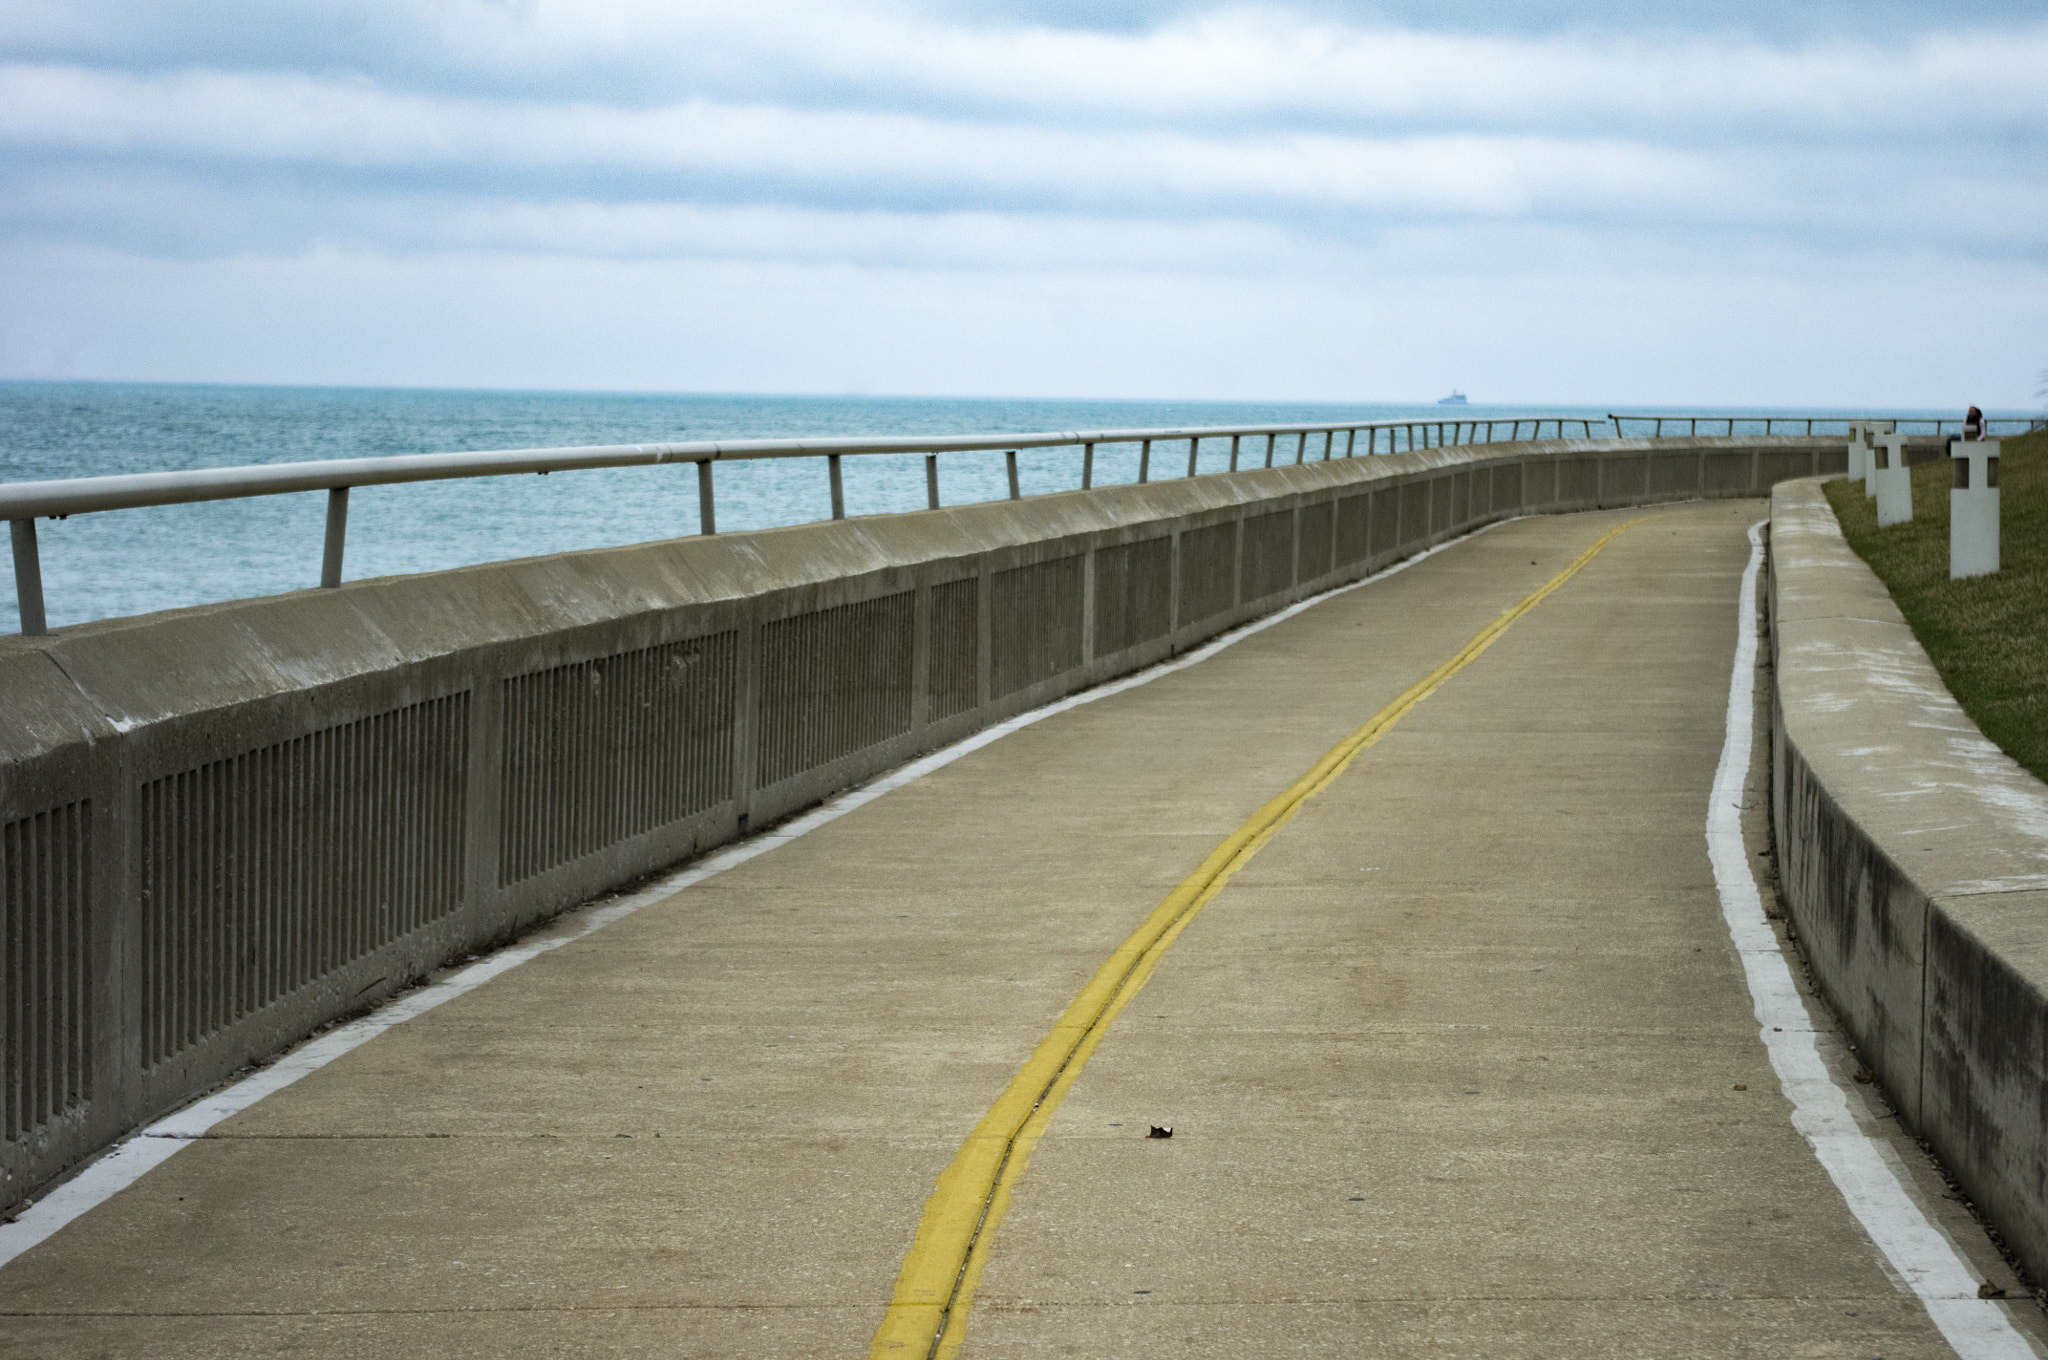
<point>294,118</point>
<point>1303,151</point>
<point>1405,321</point>
<point>1216,67</point>
<point>699,151</point>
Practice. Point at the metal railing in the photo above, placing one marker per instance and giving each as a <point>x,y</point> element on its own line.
<point>1805,424</point>
<point>22,503</point>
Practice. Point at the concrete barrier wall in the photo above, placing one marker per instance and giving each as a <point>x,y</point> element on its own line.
<point>1913,856</point>
<point>223,827</point>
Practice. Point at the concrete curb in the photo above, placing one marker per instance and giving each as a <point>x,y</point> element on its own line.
<point>1914,861</point>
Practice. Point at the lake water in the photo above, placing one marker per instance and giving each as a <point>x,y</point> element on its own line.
<point>136,561</point>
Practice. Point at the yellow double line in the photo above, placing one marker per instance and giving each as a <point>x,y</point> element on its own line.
<point>935,1288</point>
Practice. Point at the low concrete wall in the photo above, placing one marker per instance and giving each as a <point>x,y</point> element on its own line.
<point>1913,856</point>
<point>222,827</point>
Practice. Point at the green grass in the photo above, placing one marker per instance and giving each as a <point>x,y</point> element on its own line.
<point>1988,636</point>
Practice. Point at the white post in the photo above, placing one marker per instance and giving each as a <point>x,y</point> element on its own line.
<point>1893,480</point>
<point>1871,428</point>
<point>1973,508</point>
<point>1859,452</point>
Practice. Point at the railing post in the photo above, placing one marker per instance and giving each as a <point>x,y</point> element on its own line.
<point>1087,466</point>
<point>1145,461</point>
<point>838,486</point>
<point>1010,461</point>
<point>1350,442</point>
<point>1329,438</point>
<point>337,538</point>
<point>707,513</point>
<point>1193,444</point>
<point>1301,446</point>
<point>1269,449</point>
<point>931,481</point>
<point>1233,451</point>
<point>28,578</point>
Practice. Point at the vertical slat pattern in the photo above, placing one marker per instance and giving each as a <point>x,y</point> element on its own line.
<point>45,967</point>
<point>267,870</point>
<point>599,751</point>
<point>1414,513</point>
<point>1035,623</point>
<point>1386,519</point>
<point>1317,533</point>
<point>832,682</point>
<point>1354,529</point>
<point>1268,554</point>
<point>1507,487</point>
<point>1133,594</point>
<point>1208,571</point>
<point>1578,479</point>
<point>955,648</point>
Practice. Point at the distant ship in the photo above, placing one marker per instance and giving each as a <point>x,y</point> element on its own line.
<point>1456,398</point>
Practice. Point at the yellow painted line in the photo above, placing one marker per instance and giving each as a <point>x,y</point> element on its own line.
<point>935,1288</point>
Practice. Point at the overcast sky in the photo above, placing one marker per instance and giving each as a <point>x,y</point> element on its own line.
<point>1715,203</point>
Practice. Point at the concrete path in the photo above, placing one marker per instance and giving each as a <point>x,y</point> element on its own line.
<point>1462,1064</point>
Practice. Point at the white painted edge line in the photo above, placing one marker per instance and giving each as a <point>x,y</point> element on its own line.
<point>1861,1167</point>
<point>130,1160</point>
